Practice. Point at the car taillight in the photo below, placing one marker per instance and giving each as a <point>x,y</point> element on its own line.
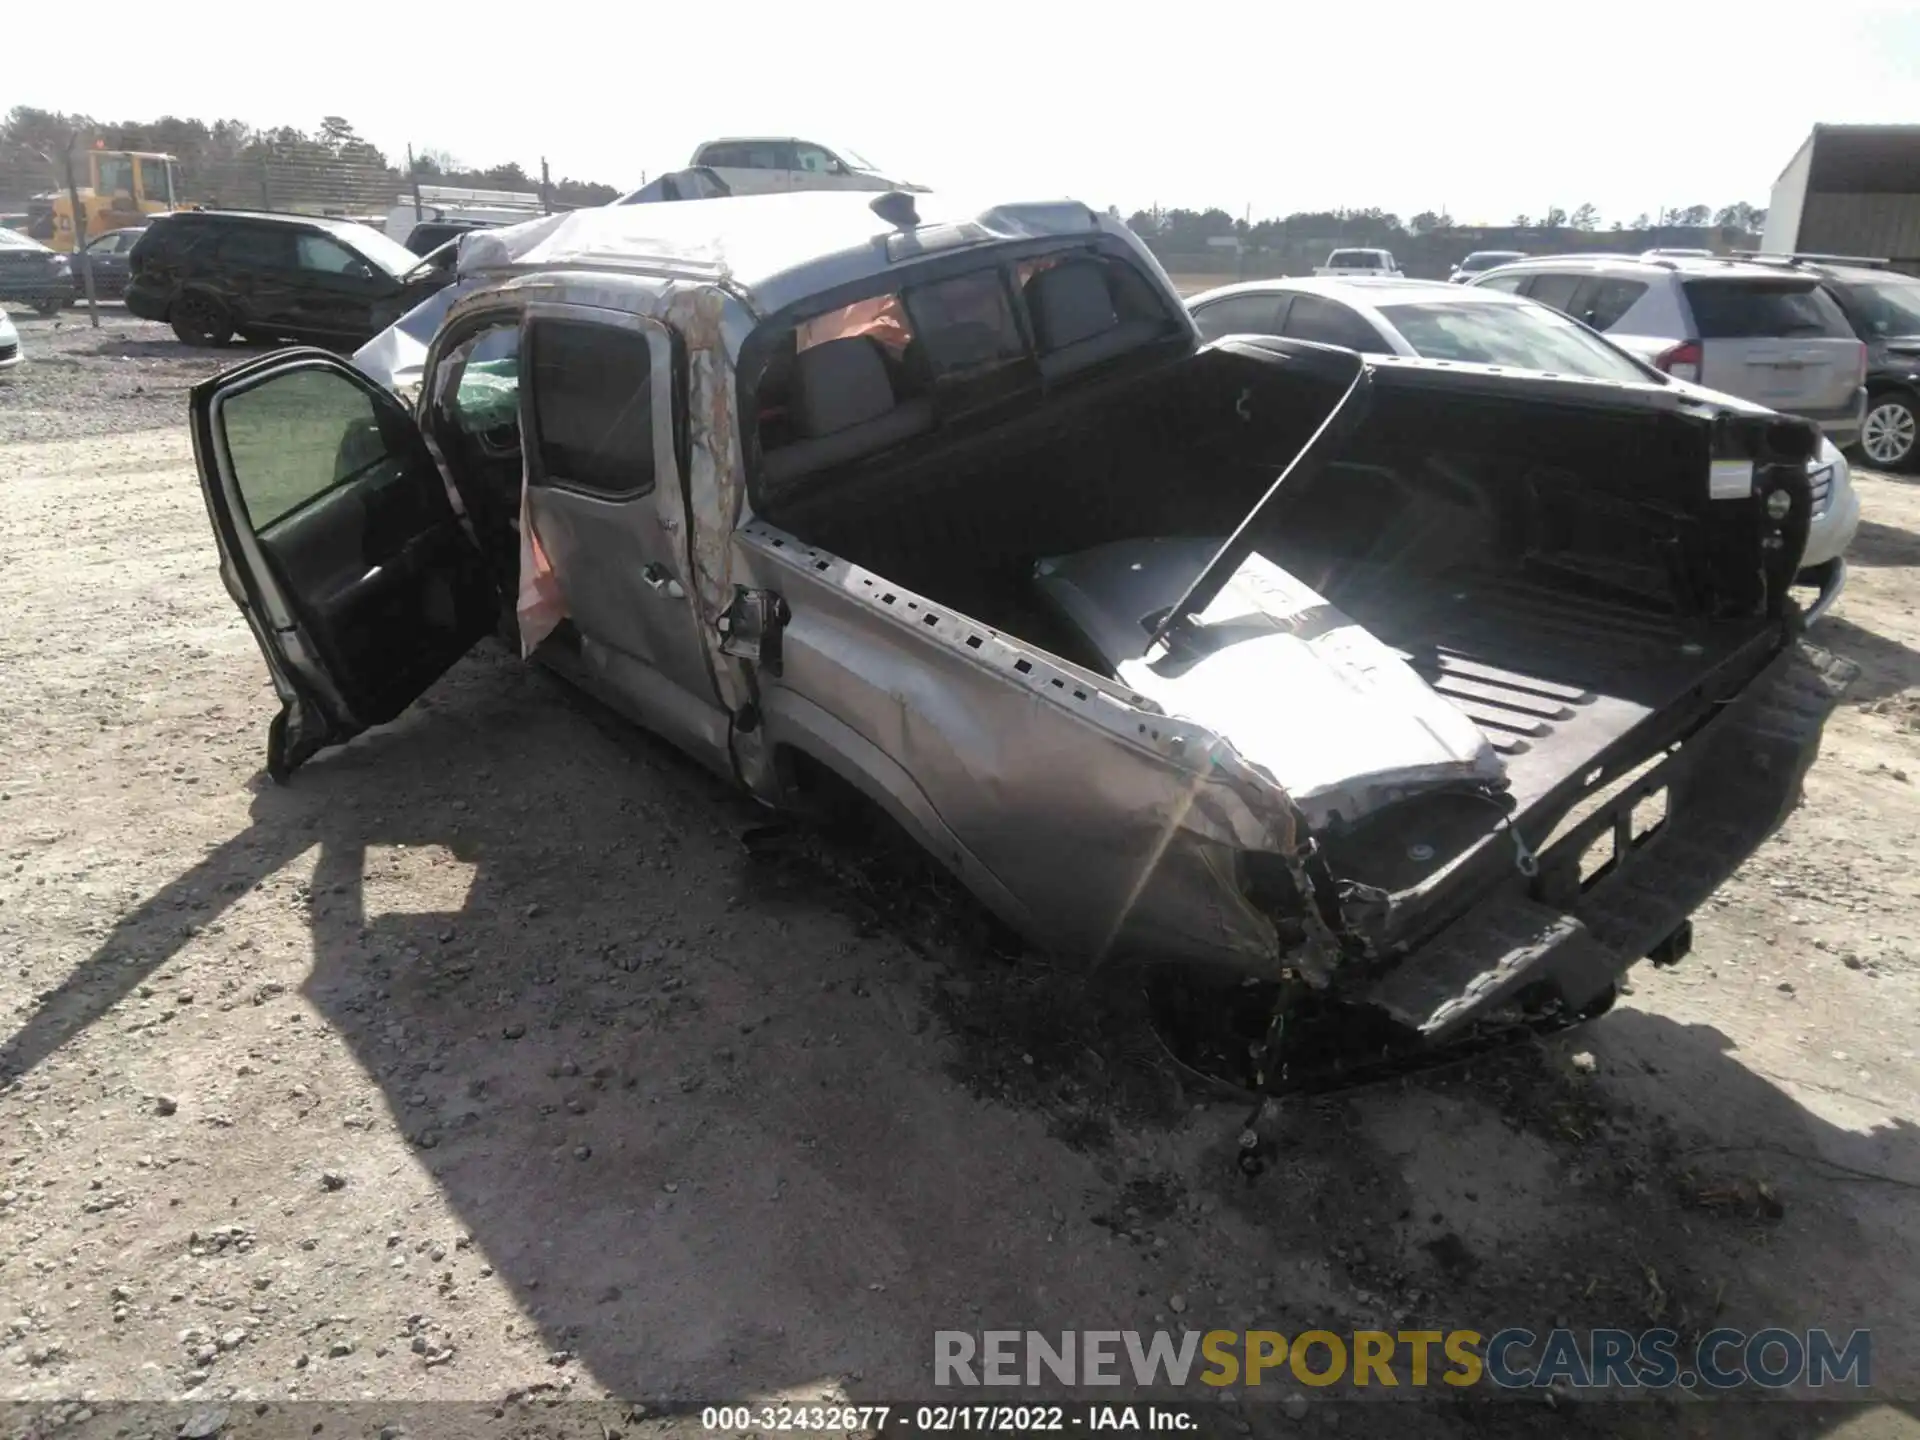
<point>1682,361</point>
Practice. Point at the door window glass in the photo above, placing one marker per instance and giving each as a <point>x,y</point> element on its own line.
<point>328,257</point>
<point>153,180</point>
<point>116,175</point>
<point>1238,315</point>
<point>1607,303</point>
<point>592,406</point>
<point>749,155</point>
<point>298,436</point>
<point>1313,317</point>
<point>813,160</point>
<point>257,247</point>
<point>1555,290</point>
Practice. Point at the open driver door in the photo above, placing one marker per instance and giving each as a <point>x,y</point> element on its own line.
<point>339,543</point>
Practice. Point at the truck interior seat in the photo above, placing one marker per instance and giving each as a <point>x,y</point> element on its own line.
<point>844,407</point>
<point>1075,320</point>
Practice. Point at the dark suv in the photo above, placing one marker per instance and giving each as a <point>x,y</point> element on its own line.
<point>213,274</point>
<point>1883,306</point>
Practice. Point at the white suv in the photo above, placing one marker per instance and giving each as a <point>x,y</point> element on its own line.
<point>1772,337</point>
<point>775,165</point>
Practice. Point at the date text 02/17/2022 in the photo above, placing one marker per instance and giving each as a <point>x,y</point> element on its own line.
<point>947,1419</point>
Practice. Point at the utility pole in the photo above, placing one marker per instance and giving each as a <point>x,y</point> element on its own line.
<point>546,188</point>
<point>413,174</point>
<point>79,223</point>
<point>80,240</point>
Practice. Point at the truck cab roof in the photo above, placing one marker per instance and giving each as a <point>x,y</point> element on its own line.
<point>773,250</point>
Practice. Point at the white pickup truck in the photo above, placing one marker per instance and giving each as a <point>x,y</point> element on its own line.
<point>1359,262</point>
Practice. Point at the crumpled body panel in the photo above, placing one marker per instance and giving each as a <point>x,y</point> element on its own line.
<point>1336,718</point>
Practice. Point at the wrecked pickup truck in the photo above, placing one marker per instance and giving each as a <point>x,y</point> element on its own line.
<point>1438,692</point>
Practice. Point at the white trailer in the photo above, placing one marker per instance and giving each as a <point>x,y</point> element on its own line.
<point>1850,190</point>
<point>457,202</point>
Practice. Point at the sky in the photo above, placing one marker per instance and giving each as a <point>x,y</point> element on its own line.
<point>1261,108</point>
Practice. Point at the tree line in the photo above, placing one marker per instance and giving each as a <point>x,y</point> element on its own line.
<point>1193,230</point>
<point>229,162</point>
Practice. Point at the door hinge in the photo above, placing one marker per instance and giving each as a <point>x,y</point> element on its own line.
<point>751,627</point>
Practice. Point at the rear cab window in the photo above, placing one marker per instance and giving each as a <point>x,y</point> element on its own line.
<point>843,385</point>
<point>1729,308</point>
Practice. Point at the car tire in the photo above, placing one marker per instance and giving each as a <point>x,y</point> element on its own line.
<point>200,320</point>
<point>49,305</point>
<point>1890,436</point>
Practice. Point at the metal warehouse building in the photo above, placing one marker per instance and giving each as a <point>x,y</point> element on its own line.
<point>1850,190</point>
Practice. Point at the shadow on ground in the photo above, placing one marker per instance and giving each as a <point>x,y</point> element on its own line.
<point>1880,545</point>
<point>724,1133</point>
<point>1887,667</point>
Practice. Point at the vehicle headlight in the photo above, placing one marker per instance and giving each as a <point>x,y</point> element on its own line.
<point>61,265</point>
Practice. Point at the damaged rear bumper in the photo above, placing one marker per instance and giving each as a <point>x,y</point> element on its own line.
<point>1557,944</point>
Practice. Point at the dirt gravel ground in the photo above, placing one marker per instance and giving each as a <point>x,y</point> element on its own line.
<point>486,1062</point>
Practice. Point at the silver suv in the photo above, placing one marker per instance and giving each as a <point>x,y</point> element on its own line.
<point>1773,337</point>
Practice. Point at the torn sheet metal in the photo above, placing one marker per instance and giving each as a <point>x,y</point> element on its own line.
<point>539,606</point>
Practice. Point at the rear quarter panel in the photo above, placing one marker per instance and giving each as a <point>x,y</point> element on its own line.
<point>1081,817</point>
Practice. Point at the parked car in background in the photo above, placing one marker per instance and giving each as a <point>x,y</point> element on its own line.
<point>214,274</point>
<point>984,534</point>
<point>106,257</point>
<point>1358,262</point>
<point>1485,326</point>
<point>429,235</point>
<point>455,204</point>
<point>33,274</point>
<point>10,355</point>
<point>762,166</point>
<point>1761,332</point>
<point>1883,307</point>
<point>1481,260</point>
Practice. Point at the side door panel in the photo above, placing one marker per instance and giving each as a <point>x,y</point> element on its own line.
<point>338,542</point>
<point>256,265</point>
<point>615,530</point>
<point>334,298</point>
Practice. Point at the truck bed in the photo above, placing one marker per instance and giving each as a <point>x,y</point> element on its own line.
<point>1552,679</point>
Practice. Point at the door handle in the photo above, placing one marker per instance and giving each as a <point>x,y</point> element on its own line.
<point>661,582</point>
